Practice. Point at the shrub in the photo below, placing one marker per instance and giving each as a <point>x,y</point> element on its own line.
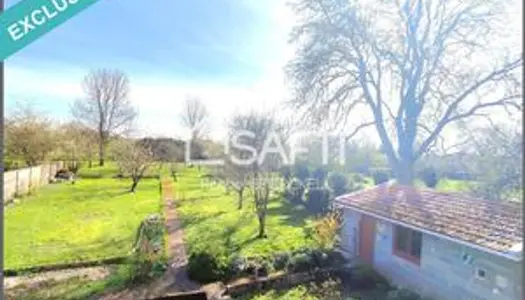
<point>403,294</point>
<point>319,174</point>
<point>205,267</point>
<point>380,177</point>
<point>281,260</point>
<point>338,183</point>
<point>301,171</point>
<point>364,277</point>
<point>318,200</point>
<point>148,259</point>
<point>429,177</point>
<point>325,231</point>
<point>295,191</point>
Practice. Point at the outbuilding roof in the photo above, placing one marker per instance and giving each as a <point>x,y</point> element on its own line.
<point>492,225</point>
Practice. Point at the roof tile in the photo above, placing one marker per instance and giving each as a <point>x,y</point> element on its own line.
<point>493,225</point>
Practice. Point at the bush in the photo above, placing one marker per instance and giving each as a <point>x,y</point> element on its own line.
<point>365,278</point>
<point>429,177</point>
<point>325,231</point>
<point>319,174</point>
<point>148,259</point>
<point>338,183</point>
<point>301,171</point>
<point>403,294</point>
<point>380,177</point>
<point>205,267</point>
<point>281,261</point>
<point>295,191</point>
<point>318,200</point>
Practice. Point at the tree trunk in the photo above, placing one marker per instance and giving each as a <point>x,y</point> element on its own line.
<point>101,153</point>
<point>240,199</point>
<point>262,234</point>
<point>134,186</point>
<point>404,172</point>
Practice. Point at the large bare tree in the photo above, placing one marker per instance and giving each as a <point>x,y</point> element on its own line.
<point>195,117</point>
<point>415,68</point>
<point>106,107</point>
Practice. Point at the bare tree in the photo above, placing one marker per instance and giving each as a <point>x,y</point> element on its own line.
<point>235,177</point>
<point>195,117</point>
<point>497,162</point>
<point>29,135</point>
<point>133,159</point>
<point>415,67</point>
<point>252,132</point>
<point>106,107</point>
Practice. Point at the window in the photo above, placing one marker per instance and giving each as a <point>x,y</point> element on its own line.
<point>481,273</point>
<point>407,244</point>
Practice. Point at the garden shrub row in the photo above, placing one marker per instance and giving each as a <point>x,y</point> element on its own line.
<point>206,267</point>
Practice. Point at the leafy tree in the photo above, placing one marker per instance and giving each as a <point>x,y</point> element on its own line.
<point>408,69</point>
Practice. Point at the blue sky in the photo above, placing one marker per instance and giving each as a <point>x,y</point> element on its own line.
<point>228,52</point>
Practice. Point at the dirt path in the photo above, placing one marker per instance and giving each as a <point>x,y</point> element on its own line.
<point>175,279</point>
<point>93,273</point>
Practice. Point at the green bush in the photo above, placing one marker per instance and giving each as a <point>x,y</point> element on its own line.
<point>338,183</point>
<point>318,200</point>
<point>319,174</point>
<point>301,171</point>
<point>295,191</point>
<point>380,177</point>
<point>403,294</point>
<point>149,259</point>
<point>365,277</point>
<point>206,267</point>
<point>429,177</point>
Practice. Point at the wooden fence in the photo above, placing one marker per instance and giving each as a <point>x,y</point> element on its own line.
<point>21,181</point>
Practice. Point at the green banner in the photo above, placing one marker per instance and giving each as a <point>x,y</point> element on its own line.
<point>27,20</point>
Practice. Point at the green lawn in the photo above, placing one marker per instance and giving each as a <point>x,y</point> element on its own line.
<point>213,222</point>
<point>92,219</point>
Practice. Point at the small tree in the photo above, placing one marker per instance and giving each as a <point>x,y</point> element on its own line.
<point>261,197</point>
<point>132,158</point>
<point>29,135</point>
<point>235,177</point>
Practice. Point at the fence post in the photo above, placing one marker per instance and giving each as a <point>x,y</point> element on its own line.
<point>16,185</point>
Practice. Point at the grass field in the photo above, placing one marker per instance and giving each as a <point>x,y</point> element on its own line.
<point>213,222</point>
<point>63,223</point>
